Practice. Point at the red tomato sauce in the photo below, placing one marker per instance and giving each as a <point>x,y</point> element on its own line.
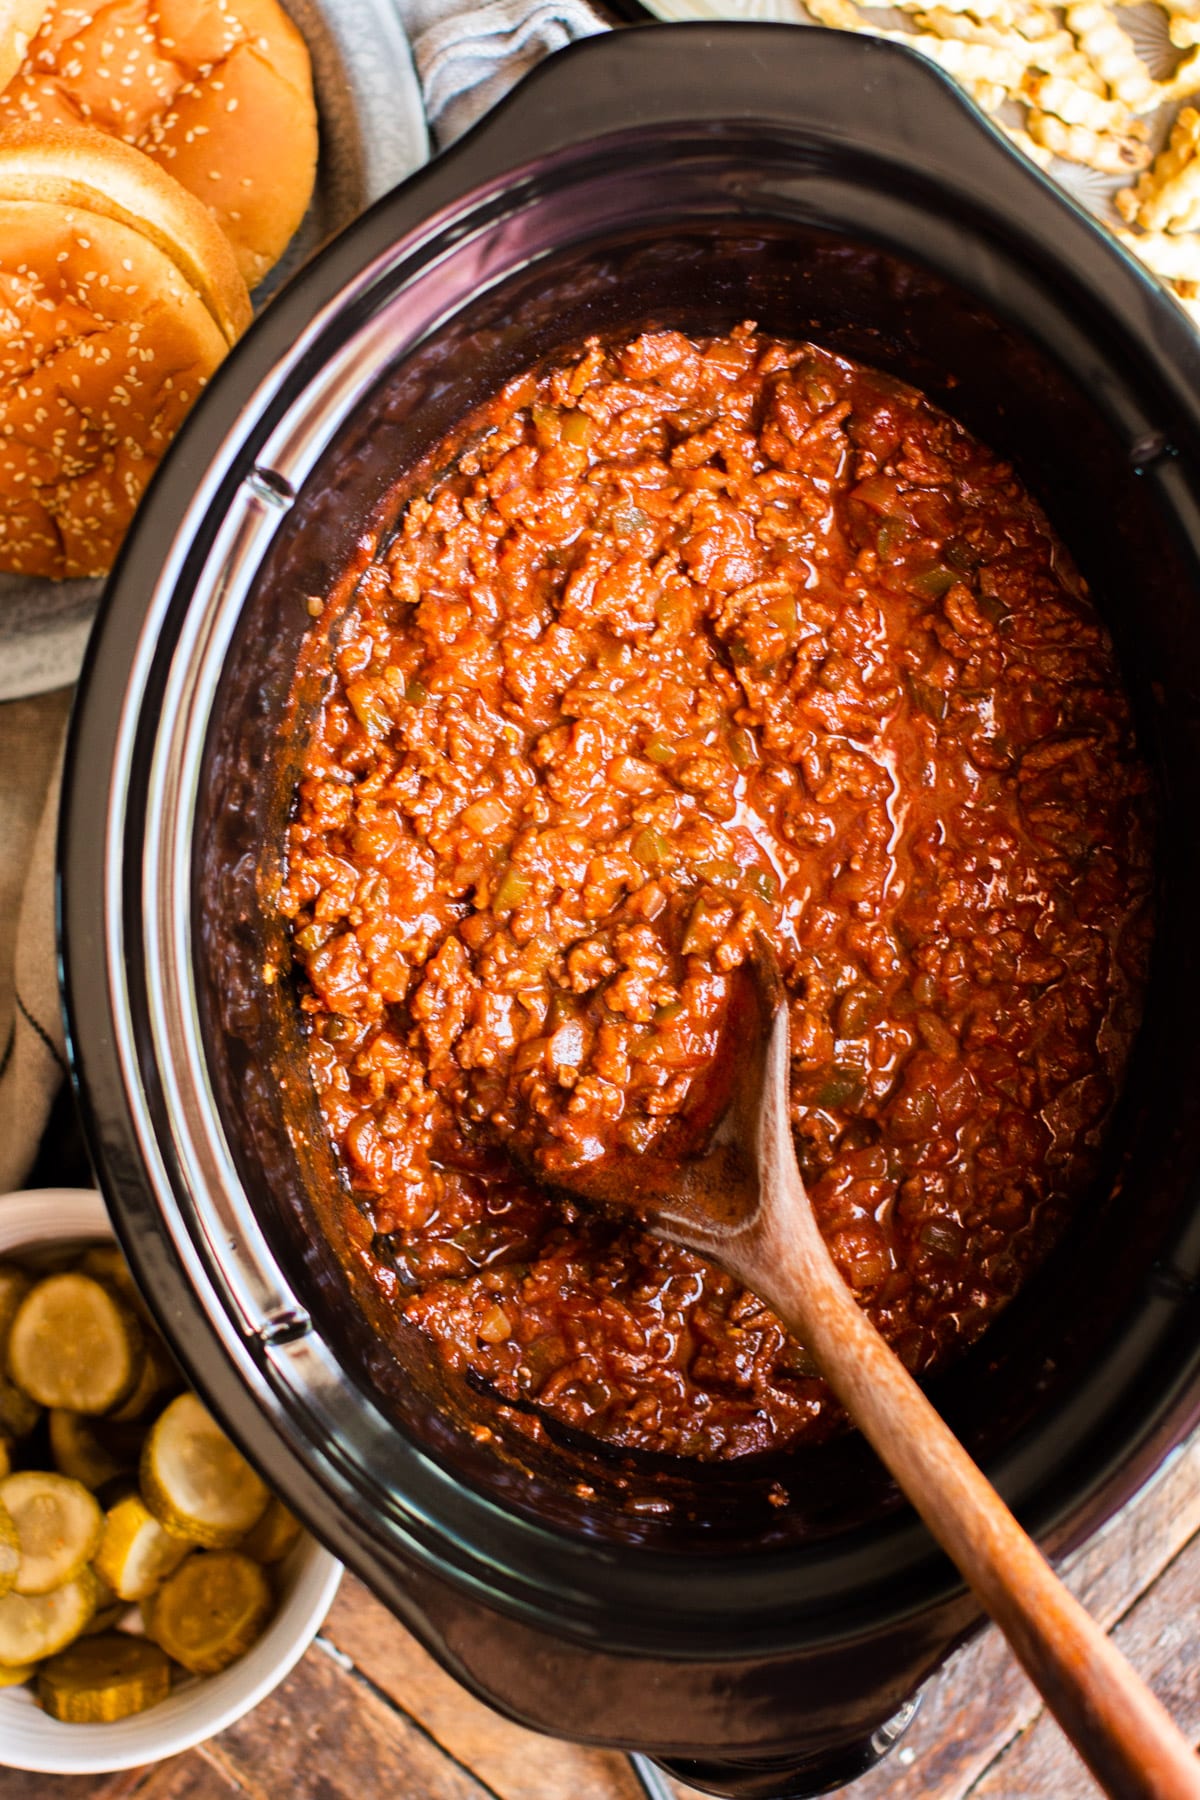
<point>697,639</point>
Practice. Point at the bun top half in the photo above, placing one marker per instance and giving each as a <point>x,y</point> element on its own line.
<point>119,297</point>
<point>218,94</point>
<point>19,21</point>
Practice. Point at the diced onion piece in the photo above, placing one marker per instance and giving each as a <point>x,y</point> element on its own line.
<point>196,1483</point>
<point>36,1625</point>
<point>270,1540</point>
<point>103,1678</point>
<point>135,1552</point>
<point>75,1344</point>
<point>58,1526</point>
<point>210,1611</point>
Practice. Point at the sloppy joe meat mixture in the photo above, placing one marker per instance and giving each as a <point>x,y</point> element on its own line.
<point>696,639</point>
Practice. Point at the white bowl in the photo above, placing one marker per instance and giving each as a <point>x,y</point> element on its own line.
<point>49,1220</point>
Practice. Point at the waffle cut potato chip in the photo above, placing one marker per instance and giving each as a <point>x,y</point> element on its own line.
<point>1169,190</point>
<point>1094,149</point>
<point>1109,48</point>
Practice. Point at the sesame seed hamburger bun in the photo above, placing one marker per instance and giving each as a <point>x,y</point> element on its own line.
<point>119,296</point>
<point>19,20</point>
<point>218,92</point>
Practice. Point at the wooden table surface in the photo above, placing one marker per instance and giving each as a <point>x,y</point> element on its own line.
<point>368,1715</point>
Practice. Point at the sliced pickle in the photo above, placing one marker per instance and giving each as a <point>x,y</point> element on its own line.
<point>158,1379</point>
<point>210,1611</point>
<point>135,1552</point>
<point>17,1675</point>
<point>196,1483</point>
<point>107,1619</point>
<point>75,1344</point>
<point>36,1625</point>
<point>94,1451</point>
<point>103,1678</point>
<point>6,1456</point>
<point>14,1285</point>
<point>108,1608</point>
<point>58,1525</point>
<point>104,1262</point>
<point>10,1550</point>
<point>18,1413</point>
<point>270,1540</point>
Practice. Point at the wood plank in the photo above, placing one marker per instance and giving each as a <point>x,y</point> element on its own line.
<point>20,1784</point>
<point>515,1763</point>
<point>982,1699</point>
<point>326,1732</point>
<point>1161,1637</point>
<point>323,1733</point>
<point>192,1776</point>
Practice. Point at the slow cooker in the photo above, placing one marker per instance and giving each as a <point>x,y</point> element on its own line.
<point>826,187</point>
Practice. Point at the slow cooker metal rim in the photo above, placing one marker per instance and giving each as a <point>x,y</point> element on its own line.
<point>182,556</point>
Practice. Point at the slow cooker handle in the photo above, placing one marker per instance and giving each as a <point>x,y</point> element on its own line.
<point>869,98</point>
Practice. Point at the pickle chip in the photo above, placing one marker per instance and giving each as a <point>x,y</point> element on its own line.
<point>159,1377</point>
<point>196,1483</point>
<point>18,1413</point>
<point>10,1550</point>
<point>75,1344</point>
<point>17,1675</point>
<point>270,1540</point>
<point>135,1552</point>
<point>108,1608</point>
<point>210,1611</point>
<point>94,1451</point>
<point>5,1457</point>
<point>14,1285</point>
<point>58,1526</point>
<point>36,1625</point>
<point>104,1262</point>
<point>103,1678</point>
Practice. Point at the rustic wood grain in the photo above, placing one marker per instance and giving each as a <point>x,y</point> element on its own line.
<point>18,1784</point>
<point>395,1726</point>
<point>1161,1637</point>
<point>324,1732</point>
<point>982,1699</point>
<point>516,1764</point>
<point>766,1235</point>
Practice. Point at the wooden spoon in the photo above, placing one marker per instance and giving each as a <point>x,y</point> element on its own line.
<point>742,1203</point>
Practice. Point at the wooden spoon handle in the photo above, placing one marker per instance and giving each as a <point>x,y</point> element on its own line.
<point>1123,1733</point>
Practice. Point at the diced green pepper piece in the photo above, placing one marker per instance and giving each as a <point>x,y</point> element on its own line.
<point>925,697</point>
<point>763,882</point>
<point>578,429</point>
<point>513,887</point>
<point>743,751</point>
<point>934,581</point>
<point>841,1087</point>
<point>650,847</point>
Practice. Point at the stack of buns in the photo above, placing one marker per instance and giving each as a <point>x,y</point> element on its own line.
<point>156,157</point>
